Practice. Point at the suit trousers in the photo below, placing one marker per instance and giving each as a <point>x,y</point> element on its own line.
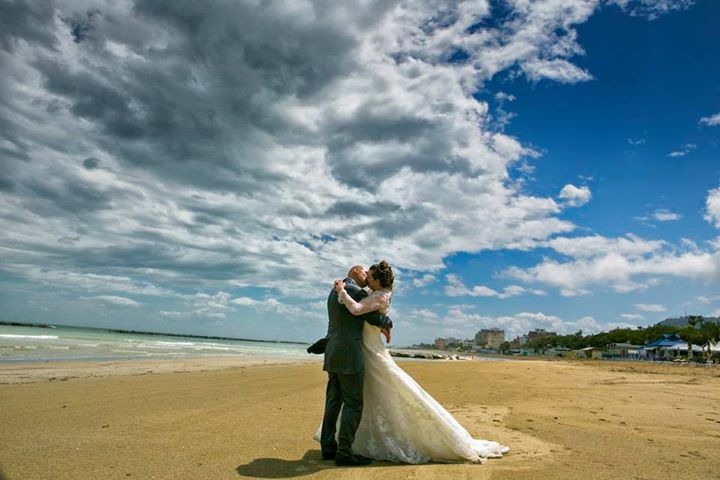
<point>344,391</point>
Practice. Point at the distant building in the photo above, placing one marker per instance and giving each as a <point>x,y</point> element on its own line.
<point>468,343</point>
<point>594,353</point>
<point>622,350</point>
<point>453,342</point>
<point>669,347</point>
<point>440,344</point>
<point>519,341</point>
<point>539,333</point>
<point>490,338</point>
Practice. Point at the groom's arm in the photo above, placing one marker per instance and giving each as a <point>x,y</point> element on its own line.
<point>378,319</point>
<point>355,292</point>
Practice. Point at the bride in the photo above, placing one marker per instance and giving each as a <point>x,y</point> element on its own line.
<point>400,421</point>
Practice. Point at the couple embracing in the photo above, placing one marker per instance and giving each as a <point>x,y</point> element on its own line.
<point>373,409</point>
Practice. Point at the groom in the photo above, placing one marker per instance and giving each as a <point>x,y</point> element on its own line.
<point>345,367</point>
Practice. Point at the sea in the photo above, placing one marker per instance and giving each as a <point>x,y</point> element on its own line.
<point>38,344</point>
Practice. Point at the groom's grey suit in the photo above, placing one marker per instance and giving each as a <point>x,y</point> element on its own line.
<point>345,366</point>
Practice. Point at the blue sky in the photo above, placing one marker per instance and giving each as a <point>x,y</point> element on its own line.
<point>211,169</point>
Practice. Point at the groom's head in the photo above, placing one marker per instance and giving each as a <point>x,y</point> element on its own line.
<point>359,274</point>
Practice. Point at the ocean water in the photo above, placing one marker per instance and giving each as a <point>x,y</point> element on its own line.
<point>25,344</point>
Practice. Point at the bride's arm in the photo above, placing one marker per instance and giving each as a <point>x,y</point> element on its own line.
<point>370,303</point>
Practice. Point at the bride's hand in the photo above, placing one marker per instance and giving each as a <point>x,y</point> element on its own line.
<point>339,285</point>
<point>387,333</point>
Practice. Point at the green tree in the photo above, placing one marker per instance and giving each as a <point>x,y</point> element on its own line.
<point>710,333</point>
<point>693,333</point>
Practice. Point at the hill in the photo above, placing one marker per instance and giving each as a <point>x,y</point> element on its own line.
<point>683,321</point>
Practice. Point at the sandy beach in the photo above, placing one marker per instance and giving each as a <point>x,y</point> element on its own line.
<point>212,419</point>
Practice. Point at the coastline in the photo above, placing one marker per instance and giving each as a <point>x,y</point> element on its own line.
<point>63,370</point>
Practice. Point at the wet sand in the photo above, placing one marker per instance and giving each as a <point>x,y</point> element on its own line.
<point>563,420</point>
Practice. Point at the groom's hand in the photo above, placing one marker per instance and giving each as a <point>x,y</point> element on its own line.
<point>339,285</point>
<point>387,334</point>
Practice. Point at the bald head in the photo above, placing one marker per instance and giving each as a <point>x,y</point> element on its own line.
<point>359,274</point>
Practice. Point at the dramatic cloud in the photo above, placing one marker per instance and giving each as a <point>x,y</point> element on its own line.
<point>711,121</point>
<point>173,143</point>
<point>575,196</point>
<point>177,149</point>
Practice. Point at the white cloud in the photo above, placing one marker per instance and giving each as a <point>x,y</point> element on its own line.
<point>624,264</point>
<point>687,148</point>
<point>711,121</point>
<point>504,97</point>
<point>456,288</point>
<point>632,316</point>
<point>575,196</point>
<point>636,141</point>
<point>652,9</point>
<point>315,310</point>
<point>115,300</point>
<point>593,246</point>
<point>423,281</point>
<point>707,300</point>
<point>712,207</point>
<point>458,322</point>
<point>664,215</point>
<point>87,281</point>
<point>649,307</point>
<point>558,70</point>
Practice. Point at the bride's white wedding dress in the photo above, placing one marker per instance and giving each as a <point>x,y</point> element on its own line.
<point>401,422</point>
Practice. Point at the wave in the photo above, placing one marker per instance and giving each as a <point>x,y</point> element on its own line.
<point>34,337</point>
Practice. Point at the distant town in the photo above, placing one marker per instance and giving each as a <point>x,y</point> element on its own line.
<point>687,338</point>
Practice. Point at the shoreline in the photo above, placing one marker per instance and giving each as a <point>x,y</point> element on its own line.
<point>34,371</point>
<point>62,370</point>
<point>149,333</point>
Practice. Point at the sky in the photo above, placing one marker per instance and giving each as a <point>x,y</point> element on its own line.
<point>211,167</point>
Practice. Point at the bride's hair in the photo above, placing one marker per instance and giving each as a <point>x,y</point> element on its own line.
<point>382,272</point>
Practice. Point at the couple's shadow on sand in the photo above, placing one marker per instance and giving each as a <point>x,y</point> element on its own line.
<point>310,463</point>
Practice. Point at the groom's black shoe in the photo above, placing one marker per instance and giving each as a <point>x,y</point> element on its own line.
<point>351,460</point>
<point>362,457</point>
<point>328,456</point>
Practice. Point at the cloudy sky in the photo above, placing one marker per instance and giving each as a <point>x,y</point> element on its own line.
<point>210,167</point>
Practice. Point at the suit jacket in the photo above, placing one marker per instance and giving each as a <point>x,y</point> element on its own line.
<point>343,353</point>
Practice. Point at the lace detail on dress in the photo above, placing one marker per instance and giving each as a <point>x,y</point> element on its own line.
<point>377,300</point>
<point>401,422</point>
